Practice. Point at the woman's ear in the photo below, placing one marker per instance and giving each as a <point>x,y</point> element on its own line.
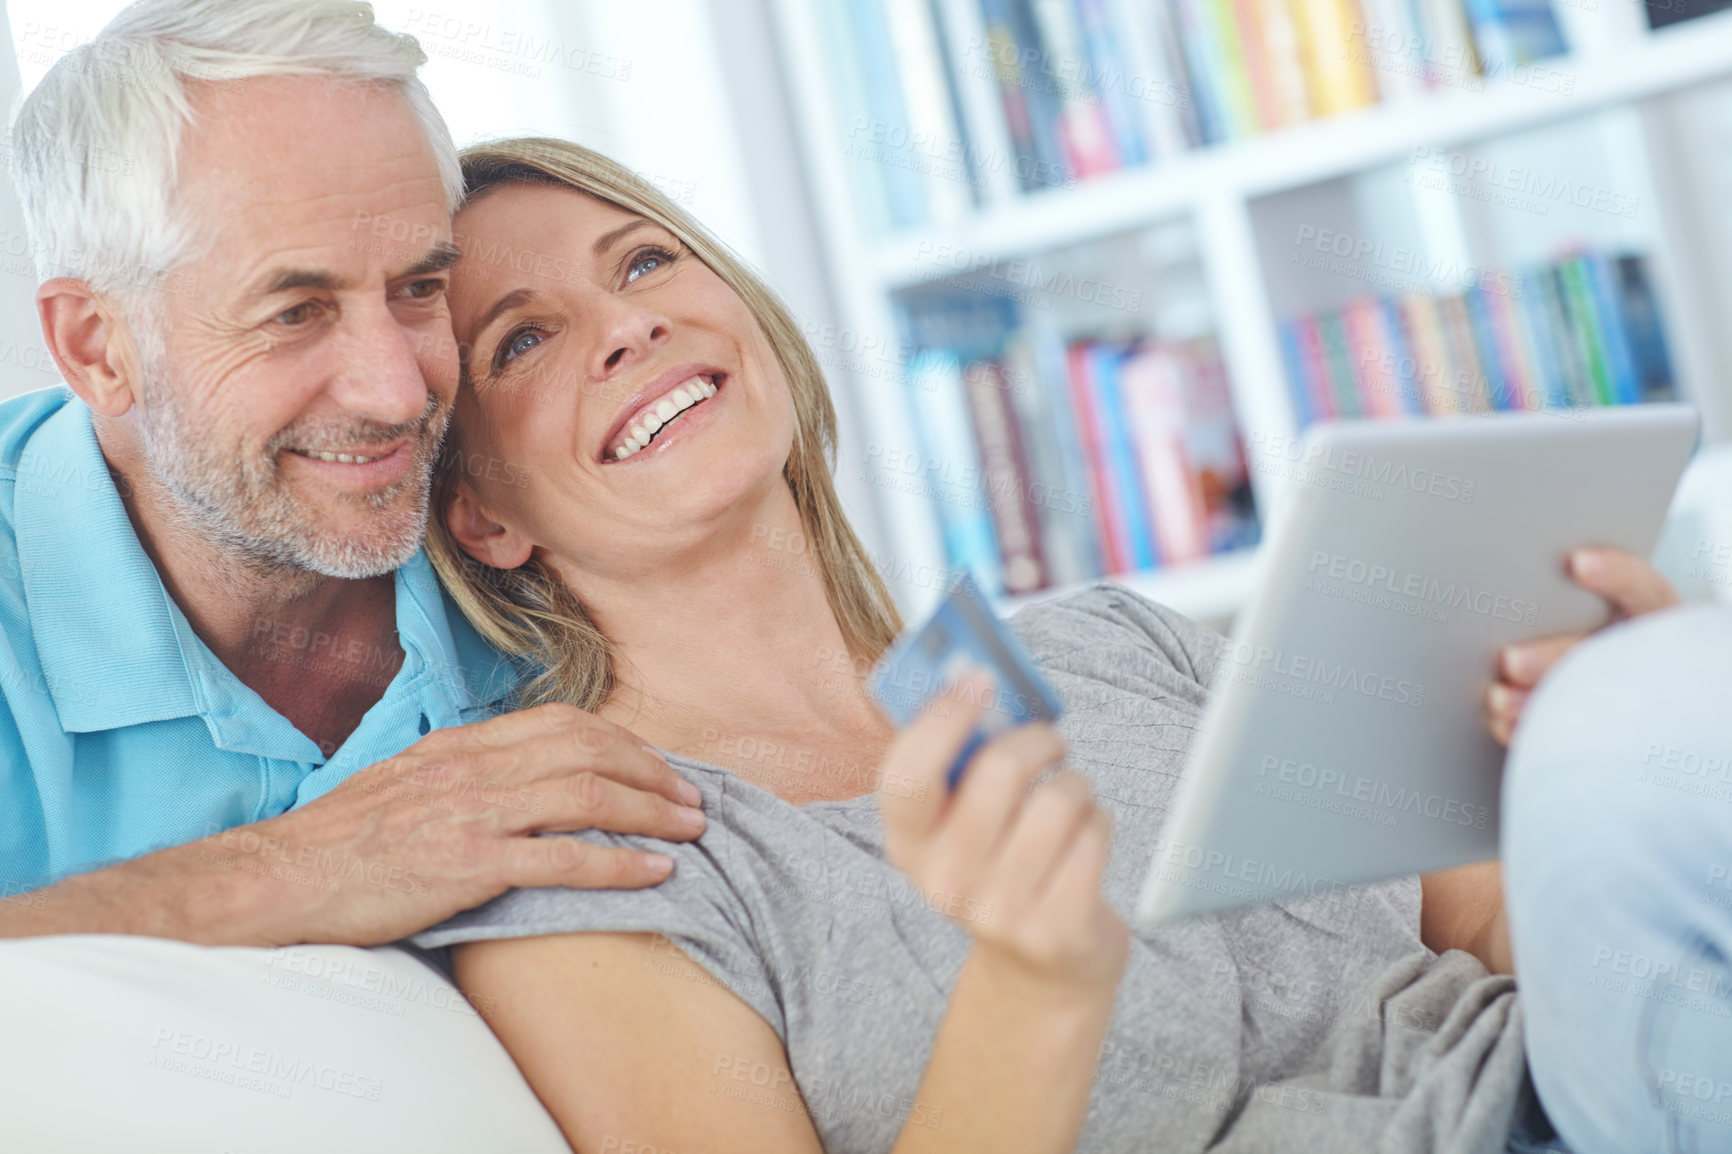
<point>480,536</point>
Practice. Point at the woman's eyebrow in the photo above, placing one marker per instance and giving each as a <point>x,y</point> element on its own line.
<point>511,300</point>
<point>608,239</point>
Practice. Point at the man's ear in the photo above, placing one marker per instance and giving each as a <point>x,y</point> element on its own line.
<point>480,536</point>
<point>85,343</point>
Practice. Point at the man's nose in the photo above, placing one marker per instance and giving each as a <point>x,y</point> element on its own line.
<point>379,377</point>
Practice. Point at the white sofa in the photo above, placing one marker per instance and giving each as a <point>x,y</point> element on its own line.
<point>112,1044</point>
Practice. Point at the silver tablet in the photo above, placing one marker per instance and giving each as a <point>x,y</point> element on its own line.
<point>1345,739</point>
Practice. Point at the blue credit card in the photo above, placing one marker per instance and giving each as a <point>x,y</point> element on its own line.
<point>963,635</point>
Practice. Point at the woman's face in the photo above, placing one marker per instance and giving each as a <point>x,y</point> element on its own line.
<point>625,405</point>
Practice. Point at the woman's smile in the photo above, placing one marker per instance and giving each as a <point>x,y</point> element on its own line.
<point>650,414</point>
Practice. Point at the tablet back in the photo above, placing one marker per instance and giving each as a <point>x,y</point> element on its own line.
<point>1345,739</point>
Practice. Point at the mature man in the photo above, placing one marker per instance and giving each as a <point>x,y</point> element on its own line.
<point>220,645</point>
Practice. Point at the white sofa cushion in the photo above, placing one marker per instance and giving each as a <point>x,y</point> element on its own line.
<point>111,1043</point>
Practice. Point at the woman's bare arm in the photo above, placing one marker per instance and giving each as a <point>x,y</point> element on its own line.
<point>1462,909</point>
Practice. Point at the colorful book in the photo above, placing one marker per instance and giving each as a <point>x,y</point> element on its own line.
<point>1108,517</point>
<point>1111,83</point>
<point>904,185</point>
<point>1121,468</point>
<point>1085,137</point>
<point>936,148</point>
<point>1059,486</point>
<point>1005,475</point>
<point>1338,80</point>
<point>1343,388</point>
<point>1510,33</point>
<point>1233,82</point>
<point>1602,294</point>
<point>1647,336</point>
<point>1153,388</point>
<point>952,473</point>
<point>1573,286</point>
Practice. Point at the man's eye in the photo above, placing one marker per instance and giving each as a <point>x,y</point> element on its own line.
<point>515,346</point>
<point>423,289</point>
<point>299,315</point>
<point>647,261</point>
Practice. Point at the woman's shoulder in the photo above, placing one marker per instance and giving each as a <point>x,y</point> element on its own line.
<point>1097,628</point>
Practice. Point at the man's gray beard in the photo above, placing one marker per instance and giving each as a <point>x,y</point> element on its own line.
<point>243,509</point>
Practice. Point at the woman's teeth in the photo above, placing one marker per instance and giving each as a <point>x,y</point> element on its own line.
<point>652,420</point>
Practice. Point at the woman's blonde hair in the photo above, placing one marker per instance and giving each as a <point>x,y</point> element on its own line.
<point>528,612</point>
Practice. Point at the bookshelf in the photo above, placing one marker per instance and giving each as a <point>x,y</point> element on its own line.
<point>1220,220</point>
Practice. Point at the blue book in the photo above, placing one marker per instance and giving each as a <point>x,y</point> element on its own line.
<point>1294,359</point>
<point>1041,89</point>
<point>1647,335</point>
<point>1111,82</point>
<point>1491,360</point>
<point>1121,455</point>
<point>1207,72</point>
<point>1620,365</point>
<point>889,131</point>
<point>1510,33</point>
<point>1542,342</point>
<point>951,470</point>
<point>1407,366</point>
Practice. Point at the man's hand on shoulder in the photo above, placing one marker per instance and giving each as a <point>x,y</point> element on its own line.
<point>402,845</point>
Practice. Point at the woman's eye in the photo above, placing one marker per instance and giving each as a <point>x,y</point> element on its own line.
<point>648,261</point>
<point>515,346</point>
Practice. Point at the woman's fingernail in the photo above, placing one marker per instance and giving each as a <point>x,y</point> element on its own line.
<point>689,794</point>
<point>1517,663</point>
<point>1586,565</point>
<point>659,863</point>
<point>692,819</point>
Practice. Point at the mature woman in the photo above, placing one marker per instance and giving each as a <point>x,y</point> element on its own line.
<point>835,963</point>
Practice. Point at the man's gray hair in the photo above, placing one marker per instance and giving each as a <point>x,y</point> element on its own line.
<point>95,147</point>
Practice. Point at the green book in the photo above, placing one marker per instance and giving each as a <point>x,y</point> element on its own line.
<point>1591,340</point>
<point>1342,383</point>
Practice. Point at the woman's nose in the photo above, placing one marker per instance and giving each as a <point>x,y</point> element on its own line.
<point>628,334</point>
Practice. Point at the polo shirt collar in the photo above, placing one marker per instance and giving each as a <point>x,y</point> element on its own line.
<point>116,650</point>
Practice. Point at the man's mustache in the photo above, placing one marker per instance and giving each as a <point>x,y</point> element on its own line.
<point>349,435</point>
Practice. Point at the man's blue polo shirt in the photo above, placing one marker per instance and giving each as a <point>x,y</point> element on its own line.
<point>120,731</point>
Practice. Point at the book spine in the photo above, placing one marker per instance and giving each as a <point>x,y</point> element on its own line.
<point>904,185</point>
<point>1641,313</point>
<point>1620,364</point>
<point>953,465</point>
<point>1391,44</point>
<point>1005,473</point>
<point>1299,385</point>
<point>1371,359</point>
<point>1450,58</point>
<point>936,148</point>
<point>866,167</point>
<point>1160,98</point>
<point>1572,360</point>
<point>1550,388</point>
<point>1004,57</point>
<point>1589,338</point>
<point>1322,394</point>
<point>1088,422</point>
<point>1285,59</point>
<point>1338,80</point>
<point>1121,457</point>
<point>1203,58</point>
<point>1154,399</point>
<point>1084,134</point>
<point>1407,379</point>
<point>1235,75</point>
<point>1435,368</point>
<point>1471,382</point>
<point>1491,357</point>
<point>1044,97</point>
<point>1344,387</point>
<point>1058,488</point>
<point>1510,33</point>
<point>1215,450</point>
<point>1259,66</point>
<point>1520,374</point>
<point>1112,82</point>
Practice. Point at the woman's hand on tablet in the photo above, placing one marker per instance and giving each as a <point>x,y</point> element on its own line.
<point>1630,586</point>
<point>1015,863</point>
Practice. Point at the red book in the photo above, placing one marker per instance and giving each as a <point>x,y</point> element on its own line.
<point>1316,367</point>
<point>1115,553</point>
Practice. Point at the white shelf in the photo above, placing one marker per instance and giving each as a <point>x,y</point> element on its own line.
<point>1674,58</point>
<point>1212,590</point>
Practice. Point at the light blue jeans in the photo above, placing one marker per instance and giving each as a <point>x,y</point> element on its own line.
<point>1617,849</point>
